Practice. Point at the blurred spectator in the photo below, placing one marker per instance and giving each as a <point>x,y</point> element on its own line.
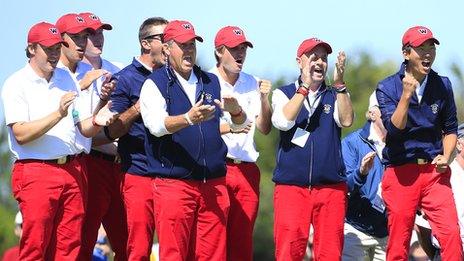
<point>102,249</point>
<point>416,253</point>
<point>12,254</point>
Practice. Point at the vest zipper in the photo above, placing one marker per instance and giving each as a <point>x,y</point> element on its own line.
<point>203,150</point>
<point>311,165</point>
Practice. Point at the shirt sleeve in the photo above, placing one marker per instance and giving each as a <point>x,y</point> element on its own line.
<point>448,114</point>
<point>120,97</point>
<point>279,99</point>
<point>387,107</point>
<point>15,104</point>
<point>153,109</point>
<point>351,158</point>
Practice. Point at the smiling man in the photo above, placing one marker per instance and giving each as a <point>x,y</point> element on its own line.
<point>310,173</point>
<point>419,113</point>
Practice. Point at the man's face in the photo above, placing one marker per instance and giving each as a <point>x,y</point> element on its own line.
<point>45,58</point>
<point>317,63</point>
<point>95,43</point>
<point>76,46</point>
<point>421,58</point>
<point>232,59</point>
<point>153,42</point>
<point>182,56</point>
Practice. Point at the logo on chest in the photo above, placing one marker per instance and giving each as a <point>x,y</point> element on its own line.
<point>434,108</point>
<point>208,97</point>
<point>327,108</point>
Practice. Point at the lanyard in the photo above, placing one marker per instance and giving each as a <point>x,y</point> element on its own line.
<point>311,109</point>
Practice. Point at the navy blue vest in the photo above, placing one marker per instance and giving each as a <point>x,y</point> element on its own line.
<point>320,161</point>
<point>195,152</point>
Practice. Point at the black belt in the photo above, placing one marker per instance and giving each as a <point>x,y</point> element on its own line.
<point>107,157</point>
<point>59,161</point>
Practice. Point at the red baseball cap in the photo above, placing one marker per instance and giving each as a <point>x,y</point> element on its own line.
<point>72,23</point>
<point>231,36</point>
<point>45,34</point>
<point>180,31</point>
<point>309,44</point>
<point>94,21</point>
<point>417,35</point>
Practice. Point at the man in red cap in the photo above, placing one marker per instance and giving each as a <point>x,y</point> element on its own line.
<point>419,113</point>
<point>185,151</point>
<point>105,205</point>
<point>310,173</point>
<point>48,179</point>
<point>243,174</point>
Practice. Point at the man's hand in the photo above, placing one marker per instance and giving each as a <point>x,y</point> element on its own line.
<point>409,84</point>
<point>105,116</point>
<point>441,163</point>
<point>245,129</point>
<point>306,72</point>
<point>200,112</point>
<point>91,76</point>
<point>366,163</point>
<point>265,87</point>
<point>66,100</point>
<point>229,104</point>
<point>339,68</point>
<point>107,88</point>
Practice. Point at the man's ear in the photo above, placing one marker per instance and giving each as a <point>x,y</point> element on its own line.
<point>145,45</point>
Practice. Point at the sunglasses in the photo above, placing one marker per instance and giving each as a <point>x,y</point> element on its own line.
<point>154,36</point>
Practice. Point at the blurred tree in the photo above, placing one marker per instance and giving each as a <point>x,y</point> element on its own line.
<point>8,206</point>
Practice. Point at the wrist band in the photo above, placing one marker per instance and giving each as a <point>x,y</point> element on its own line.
<point>236,114</point>
<point>106,131</point>
<point>303,91</point>
<point>304,85</point>
<point>341,90</point>
<point>187,118</point>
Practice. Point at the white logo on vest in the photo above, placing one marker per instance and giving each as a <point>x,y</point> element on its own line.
<point>434,108</point>
<point>327,108</point>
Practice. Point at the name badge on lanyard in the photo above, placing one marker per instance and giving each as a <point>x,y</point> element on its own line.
<point>301,136</point>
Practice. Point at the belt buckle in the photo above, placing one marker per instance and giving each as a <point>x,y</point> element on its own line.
<point>421,161</point>
<point>62,160</point>
<point>237,161</point>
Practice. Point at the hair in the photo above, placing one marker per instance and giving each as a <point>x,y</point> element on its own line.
<point>144,30</point>
<point>28,53</point>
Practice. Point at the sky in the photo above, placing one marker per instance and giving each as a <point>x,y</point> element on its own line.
<point>275,28</point>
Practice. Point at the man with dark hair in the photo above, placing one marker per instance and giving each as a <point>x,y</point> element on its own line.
<point>419,114</point>
<point>185,151</point>
<point>104,205</point>
<point>366,219</point>
<point>310,173</point>
<point>137,188</point>
<point>243,174</point>
<point>48,178</point>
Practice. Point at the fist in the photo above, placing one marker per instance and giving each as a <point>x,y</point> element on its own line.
<point>409,84</point>
<point>265,87</point>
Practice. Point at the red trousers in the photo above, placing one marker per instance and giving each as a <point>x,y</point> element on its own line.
<point>138,195</point>
<point>296,208</point>
<point>243,187</point>
<point>409,186</point>
<point>191,219</point>
<point>51,199</point>
<point>104,206</point>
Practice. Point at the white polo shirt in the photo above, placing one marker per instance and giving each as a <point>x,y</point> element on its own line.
<point>246,90</point>
<point>93,93</point>
<point>27,97</point>
<point>83,100</point>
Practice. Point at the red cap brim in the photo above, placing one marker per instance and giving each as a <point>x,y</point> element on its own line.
<point>51,42</point>
<point>185,38</point>
<point>103,26</point>
<point>420,41</point>
<point>232,44</point>
<point>78,29</point>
